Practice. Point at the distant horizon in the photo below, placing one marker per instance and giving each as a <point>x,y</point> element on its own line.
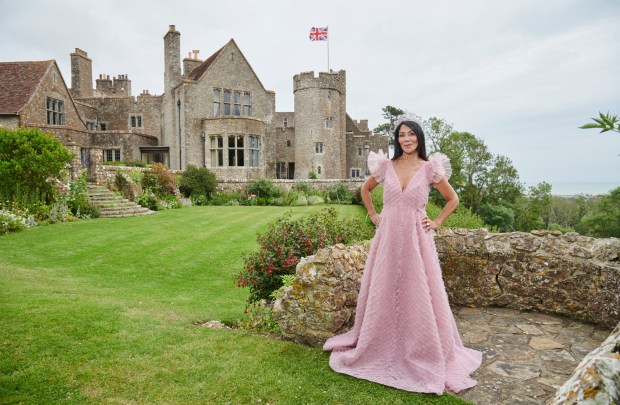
<point>576,188</point>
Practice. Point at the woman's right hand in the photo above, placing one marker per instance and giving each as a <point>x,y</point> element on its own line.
<point>375,218</point>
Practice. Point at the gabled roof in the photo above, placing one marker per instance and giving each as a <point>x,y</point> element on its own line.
<point>18,82</point>
<point>201,69</point>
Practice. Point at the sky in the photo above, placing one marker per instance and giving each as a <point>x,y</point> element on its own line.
<point>522,75</point>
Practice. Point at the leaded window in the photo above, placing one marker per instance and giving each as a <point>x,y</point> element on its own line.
<point>237,100</point>
<point>55,111</point>
<point>226,102</point>
<point>216,102</point>
<point>254,150</point>
<point>217,150</point>
<point>247,104</point>
<point>235,151</point>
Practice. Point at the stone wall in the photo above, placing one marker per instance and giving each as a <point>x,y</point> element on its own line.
<point>568,275</point>
<point>239,185</point>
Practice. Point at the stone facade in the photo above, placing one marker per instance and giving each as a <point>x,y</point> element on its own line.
<point>213,113</point>
<point>570,275</point>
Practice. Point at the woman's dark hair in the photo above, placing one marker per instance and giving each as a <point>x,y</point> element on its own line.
<point>419,133</point>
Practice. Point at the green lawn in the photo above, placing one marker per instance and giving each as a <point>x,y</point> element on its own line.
<point>102,311</point>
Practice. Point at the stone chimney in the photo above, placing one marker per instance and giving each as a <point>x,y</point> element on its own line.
<point>104,84</point>
<point>172,59</point>
<point>81,74</point>
<point>122,85</point>
<point>191,62</point>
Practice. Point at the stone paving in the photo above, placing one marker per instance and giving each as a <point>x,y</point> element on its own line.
<point>527,356</point>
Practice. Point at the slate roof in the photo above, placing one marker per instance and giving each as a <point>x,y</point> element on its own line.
<point>18,82</point>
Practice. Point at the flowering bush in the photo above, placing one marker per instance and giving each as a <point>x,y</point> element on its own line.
<point>287,240</point>
<point>10,222</point>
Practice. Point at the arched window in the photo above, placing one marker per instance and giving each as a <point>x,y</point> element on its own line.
<point>319,169</point>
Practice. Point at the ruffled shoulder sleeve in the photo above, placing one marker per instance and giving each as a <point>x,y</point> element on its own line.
<point>377,164</point>
<point>439,167</point>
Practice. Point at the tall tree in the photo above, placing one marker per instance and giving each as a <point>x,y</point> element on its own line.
<point>534,209</point>
<point>478,176</point>
<point>390,113</point>
<point>604,220</point>
<point>435,129</point>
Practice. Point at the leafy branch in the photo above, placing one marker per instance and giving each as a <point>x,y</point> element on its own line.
<point>605,122</point>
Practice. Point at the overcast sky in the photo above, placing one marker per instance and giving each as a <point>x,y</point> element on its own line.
<point>522,75</point>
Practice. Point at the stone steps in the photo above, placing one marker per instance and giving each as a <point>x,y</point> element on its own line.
<point>111,205</point>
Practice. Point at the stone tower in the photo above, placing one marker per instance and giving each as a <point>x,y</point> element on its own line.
<point>81,74</point>
<point>320,125</point>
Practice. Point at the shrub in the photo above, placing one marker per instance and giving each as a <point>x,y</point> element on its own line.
<point>264,188</point>
<point>199,200</point>
<point>339,194</point>
<point>224,198</point>
<point>292,196</point>
<point>10,222</point>
<point>148,199</point>
<point>78,201</point>
<point>25,202</point>
<point>287,240</point>
<point>462,217</point>
<point>197,181</point>
<point>30,160</point>
<point>376,195</point>
<point>160,180</point>
<point>315,199</point>
<point>258,316</point>
<point>312,176</point>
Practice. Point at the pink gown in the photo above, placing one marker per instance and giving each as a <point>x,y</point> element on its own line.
<point>404,334</point>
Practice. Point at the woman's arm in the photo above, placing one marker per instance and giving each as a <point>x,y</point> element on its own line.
<point>452,201</point>
<point>367,187</point>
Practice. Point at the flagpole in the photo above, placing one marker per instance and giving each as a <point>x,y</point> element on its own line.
<point>328,48</point>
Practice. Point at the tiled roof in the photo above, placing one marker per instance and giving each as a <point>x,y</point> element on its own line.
<point>18,82</point>
<point>200,70</point>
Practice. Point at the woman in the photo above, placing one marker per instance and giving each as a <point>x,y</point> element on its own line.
<point>404,334</point>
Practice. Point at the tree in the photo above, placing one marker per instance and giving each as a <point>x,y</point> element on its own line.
<point>605,122</point>
<point>391,114</point>
<point>533,210</point>
<point>604,220</point>
<point>478,176</point>
<point>436,130</point>
<point>30,160</point>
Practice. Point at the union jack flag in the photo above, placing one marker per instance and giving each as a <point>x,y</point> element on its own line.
<point>318,34</point>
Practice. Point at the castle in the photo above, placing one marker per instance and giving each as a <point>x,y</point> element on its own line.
<point>214,113</point>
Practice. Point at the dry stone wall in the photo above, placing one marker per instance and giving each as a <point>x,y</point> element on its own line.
<point>569,275</point>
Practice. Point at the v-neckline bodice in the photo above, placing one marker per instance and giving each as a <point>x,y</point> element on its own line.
<point>400,185</point>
